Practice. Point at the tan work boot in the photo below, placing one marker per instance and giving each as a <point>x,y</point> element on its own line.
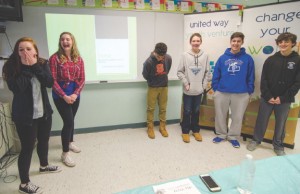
<point>150,131</point>
<point>162,129</point>
<point>197,136</point>
<point>186,138</point>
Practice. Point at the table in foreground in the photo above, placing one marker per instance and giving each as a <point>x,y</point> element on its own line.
<point>276,175</point>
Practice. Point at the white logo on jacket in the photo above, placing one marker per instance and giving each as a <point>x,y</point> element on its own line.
<point>234,65</point>
<point>291,65</point>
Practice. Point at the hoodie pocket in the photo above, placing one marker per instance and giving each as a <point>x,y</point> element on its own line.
<point>196,88</point>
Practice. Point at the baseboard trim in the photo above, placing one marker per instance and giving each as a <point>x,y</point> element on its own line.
<point>112,127</point>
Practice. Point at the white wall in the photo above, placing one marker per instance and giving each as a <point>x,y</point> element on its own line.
<point>101,104</point>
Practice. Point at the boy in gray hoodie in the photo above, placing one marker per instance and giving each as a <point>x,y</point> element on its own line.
<point>193,71</point>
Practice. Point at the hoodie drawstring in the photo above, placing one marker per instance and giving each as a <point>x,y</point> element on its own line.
<point>196,59</point>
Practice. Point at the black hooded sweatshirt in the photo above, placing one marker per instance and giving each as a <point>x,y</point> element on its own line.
<point>281,77</point>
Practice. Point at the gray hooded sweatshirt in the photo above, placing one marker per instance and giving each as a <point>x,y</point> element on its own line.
<point>194,70</point>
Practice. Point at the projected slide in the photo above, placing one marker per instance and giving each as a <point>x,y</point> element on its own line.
<point>112,45</point>
<point>112,56</point>
<point>107,44</point>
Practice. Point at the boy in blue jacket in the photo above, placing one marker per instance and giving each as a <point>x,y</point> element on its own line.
<point>233,83</point>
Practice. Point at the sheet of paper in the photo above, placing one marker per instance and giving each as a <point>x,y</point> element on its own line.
<point>184,186</point>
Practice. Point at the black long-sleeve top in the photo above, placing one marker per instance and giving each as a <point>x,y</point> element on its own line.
<point>281,77</point>
<point>22,105</point>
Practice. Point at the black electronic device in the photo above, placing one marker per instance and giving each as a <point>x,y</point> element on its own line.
<point>210,183</point>
<point>11,10</point>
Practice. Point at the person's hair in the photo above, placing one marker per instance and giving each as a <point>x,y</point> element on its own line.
<point>161,49</point>
<point>74,50</point>
<point>12,66</point>
<point>195,34</point>
<point>237,35</point>
<point>286,37</point>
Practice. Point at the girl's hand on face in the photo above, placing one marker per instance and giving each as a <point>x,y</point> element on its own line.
<point>24,58</point>
<point>27,53</point>
<point>30,58</point>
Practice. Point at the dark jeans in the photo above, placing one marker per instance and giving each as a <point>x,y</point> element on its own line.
<point>67,113</point>
<point>191,107</point>
<point>281,112</point>
<point>40,130</point>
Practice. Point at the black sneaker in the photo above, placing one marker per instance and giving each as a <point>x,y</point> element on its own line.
<point>50,169</point>
<point>30,188</point>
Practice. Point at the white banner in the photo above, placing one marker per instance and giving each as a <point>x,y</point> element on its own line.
<point>262,25</point>
<point>215,29</point>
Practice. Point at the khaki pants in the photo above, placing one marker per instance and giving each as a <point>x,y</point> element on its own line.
<point>160,95</point>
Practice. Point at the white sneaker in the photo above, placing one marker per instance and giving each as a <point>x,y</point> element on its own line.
<point>74,148</point>
<point>67,160</point>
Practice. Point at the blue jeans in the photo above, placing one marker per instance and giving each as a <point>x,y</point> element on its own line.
<point>190,119</point>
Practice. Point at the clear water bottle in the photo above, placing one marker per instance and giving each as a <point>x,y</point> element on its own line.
<point>246,178</point>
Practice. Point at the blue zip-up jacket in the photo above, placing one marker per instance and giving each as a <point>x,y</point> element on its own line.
<point>234,73</point>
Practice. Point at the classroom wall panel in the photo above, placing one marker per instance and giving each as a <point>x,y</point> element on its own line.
<point>143,31</point>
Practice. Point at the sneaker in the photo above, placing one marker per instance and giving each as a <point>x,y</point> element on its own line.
<point>30,188</point>
<point>186,138</point>
<point>218,139</point>
<point>67,160</point>
<point>235,143</point>
<point>279,152</point>
<point>252,145</point>
<point>50,169</point>
<point>74,148</point>
<point>197,136</point>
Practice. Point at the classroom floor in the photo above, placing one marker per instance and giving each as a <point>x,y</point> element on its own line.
<point>119,160</point>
